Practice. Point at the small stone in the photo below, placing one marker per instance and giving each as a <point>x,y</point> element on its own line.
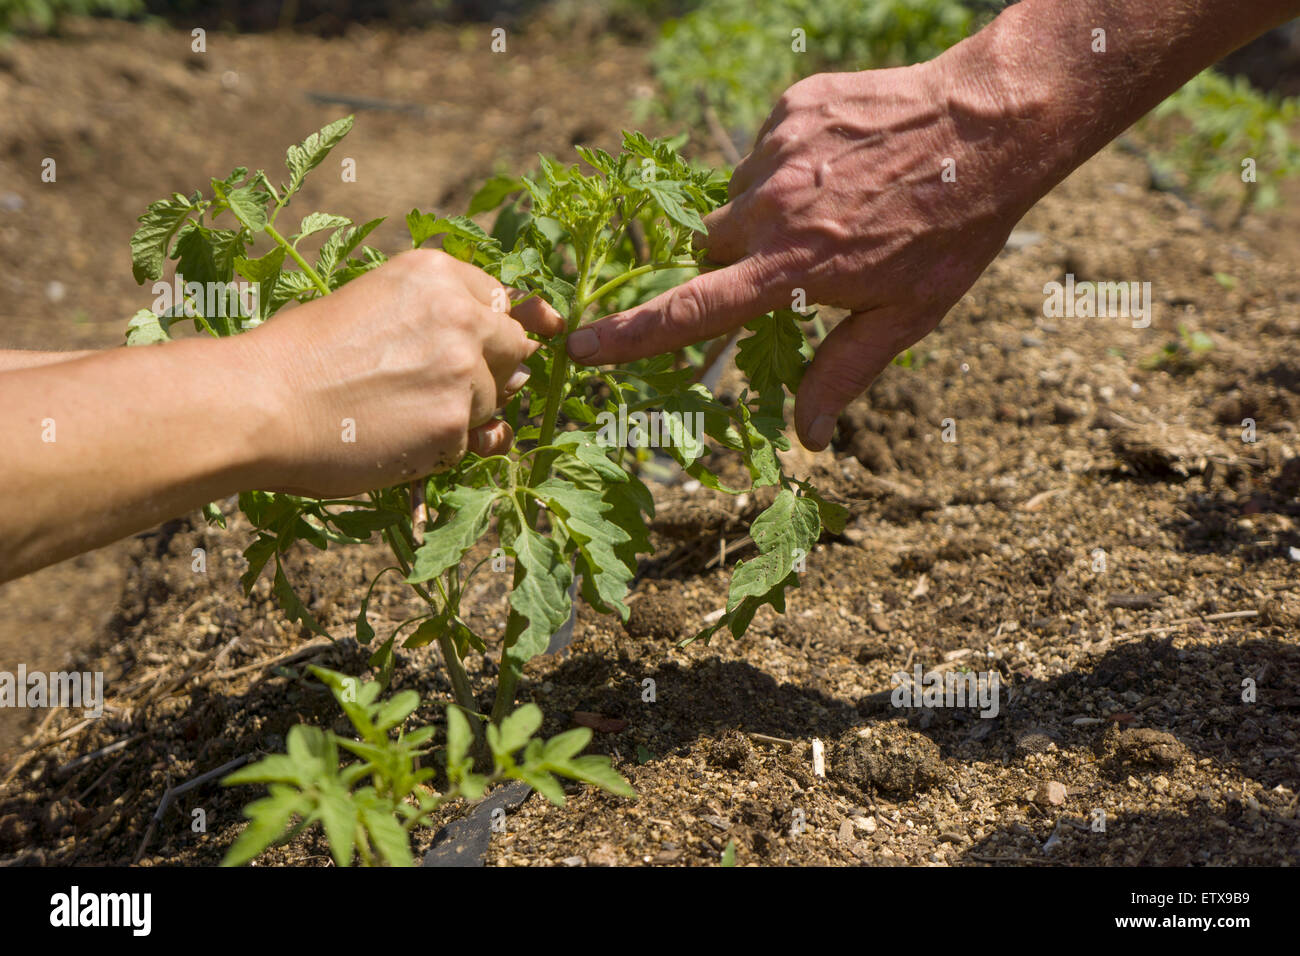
<point>846,831</point>
<point>603,855</point>
<point>1160,783</point>
<point>1050,792</point>
<point>1144,746</point>
<point>12,202</point>
<point>573,861</point>
<point>865,825</point>
<point>55,290</point>
<point>1023,239</point>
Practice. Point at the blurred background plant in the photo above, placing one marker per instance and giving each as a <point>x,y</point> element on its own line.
<point>721,66</point>
<point>1222,138</point>
<point>42,16</point>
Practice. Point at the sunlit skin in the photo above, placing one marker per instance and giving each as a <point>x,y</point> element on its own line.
<point>842,195</point>
<point>413,353</point>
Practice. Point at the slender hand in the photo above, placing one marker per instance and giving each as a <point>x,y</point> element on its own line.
<point>844,197</point>
<point>414,354</point>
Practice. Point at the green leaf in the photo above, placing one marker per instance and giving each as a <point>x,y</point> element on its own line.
<point>463,518</point>
<point>213,516</point>
<point>581,445</point>
<point>541,596</point>
<point>388,836</point>
<point>773,357</point>
<point>340,245</point>
<point>291,284</point>
<point>525,262</point>
<point>461,233</point>
<point>428,631</point>
<point>146,328</point>
<point>257,554</point>
<point>596,770</point>
<point>671,199</point>
<point>582,512</point>
<point>397,709</point>
<point>459,762</point>
<point>305,157</point>
<point>338,817</point>
<point>363,522</point>
<point>459,736</point>
<point>248,204</point>
<point>149,244</point>
<point>790,524</point>
<point>569,744</point>
<point>265,271</point>
<point>492,193</point>
<point>206,255</point>
<point>833,516</point>
<point>319,222</point>
<point>543,782</point>
<point>269,822</point>
<point>515,731</point>
<point>289,602</point>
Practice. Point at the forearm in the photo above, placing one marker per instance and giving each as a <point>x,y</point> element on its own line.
<point>114,442</point>
<point>1034,72</point>
<point>13,359</point>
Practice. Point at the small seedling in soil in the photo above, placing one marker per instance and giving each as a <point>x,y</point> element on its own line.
<point>566,503</point>
<point>1184,354</point>
<point>370,806</point>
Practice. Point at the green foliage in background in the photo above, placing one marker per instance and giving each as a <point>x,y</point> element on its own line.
<point>1213,124</point>
<point>735,57</point>
<point>42,16</point>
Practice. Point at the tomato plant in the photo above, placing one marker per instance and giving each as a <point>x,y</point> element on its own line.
<point>566,504</point>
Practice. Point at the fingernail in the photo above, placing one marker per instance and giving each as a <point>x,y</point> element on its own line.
<point>516,381</point>
<point>583,343</point>
<point>823,427</point>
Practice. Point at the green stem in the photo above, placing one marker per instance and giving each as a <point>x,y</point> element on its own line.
<point>296,256</point>
<point>516,622</point>
<point>618,280</point>
<point>460,685</point>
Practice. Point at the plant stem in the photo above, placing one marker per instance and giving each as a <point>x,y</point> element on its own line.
<point>460,685</point>
<point>297,257</point>
<point>618,280</point>
<point>516,622</point>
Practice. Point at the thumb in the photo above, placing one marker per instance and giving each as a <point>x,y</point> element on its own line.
<point>703,308</point>
<point>847,362</point>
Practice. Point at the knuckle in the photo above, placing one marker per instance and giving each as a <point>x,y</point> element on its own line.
<point>686,308</point>
<point>425,259</point>
<point>458,360</point>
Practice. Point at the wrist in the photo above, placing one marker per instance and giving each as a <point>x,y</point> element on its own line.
<point>265,433</point>
<point>1000,97</point>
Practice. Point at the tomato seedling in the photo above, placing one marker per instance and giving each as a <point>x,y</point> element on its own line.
<point>566,504</point>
